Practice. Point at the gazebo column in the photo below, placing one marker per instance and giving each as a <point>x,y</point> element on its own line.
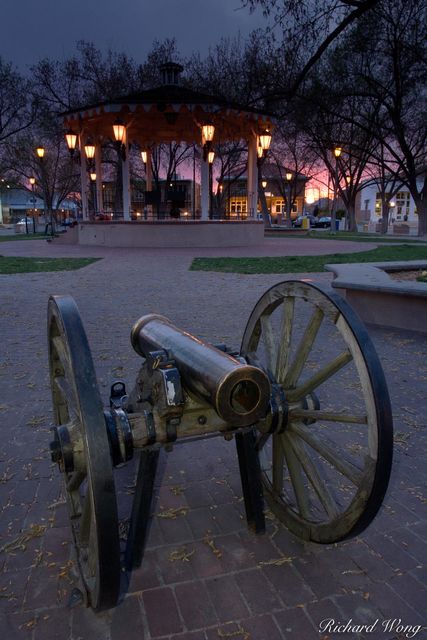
<point>204,188</point>
<point>84,183</point>
<point>252,184</point>
<point>98,171</point>
<point>126,181</point>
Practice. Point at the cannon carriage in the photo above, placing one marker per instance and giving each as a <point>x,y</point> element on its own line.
<point>304,398</point>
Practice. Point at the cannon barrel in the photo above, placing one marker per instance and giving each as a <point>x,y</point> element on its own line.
<point>239,393</point>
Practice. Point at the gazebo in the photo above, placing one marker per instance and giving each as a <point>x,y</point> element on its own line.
<point>167,113</point>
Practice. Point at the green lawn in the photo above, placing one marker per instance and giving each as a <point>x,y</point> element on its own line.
<point>306,264</point>
<point>343,235</point>
<point>23,236</point>
<point>34,265</point>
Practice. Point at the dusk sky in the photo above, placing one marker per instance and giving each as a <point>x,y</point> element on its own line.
<point>50,28</point>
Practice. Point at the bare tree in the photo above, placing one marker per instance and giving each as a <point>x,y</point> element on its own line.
<point>384,174</point>
<point>88,77</point>
<point>291,153</point>
<point>165,160</point>
<point>56,175</point>
<point>18,106</point>
<point>230,163</point>
<point>330,117</point>
<point>236,69</point>
<point>396,76</point>
<point>383,66</point>
<point>308,29</point>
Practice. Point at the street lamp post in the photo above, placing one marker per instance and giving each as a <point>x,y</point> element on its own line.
<point>92,176</point>
<point>71,139</point>
<point>211,157</point>
<point>337,153</point>
<point>119,130</point>
<point>288,198</point>
<point>40,152</point>
<point>26,222</point>
<point>89,148</point>
<point>1,203</point>
<point>263,144</point>
<point>264,204</point>
<point>264,141</point>
<point>144,158</point>
<point>208,132</point>
<point>33,183</point>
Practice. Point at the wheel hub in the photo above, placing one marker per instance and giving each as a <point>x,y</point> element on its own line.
<point>61,449</point>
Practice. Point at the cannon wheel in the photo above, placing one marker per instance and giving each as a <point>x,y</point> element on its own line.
<point>326,467</point>
<point>89,487</point>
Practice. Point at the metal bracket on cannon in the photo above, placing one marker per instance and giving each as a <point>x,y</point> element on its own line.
<point>323,468</point>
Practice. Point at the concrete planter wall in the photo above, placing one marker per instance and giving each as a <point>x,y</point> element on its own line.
<point>171,234</point>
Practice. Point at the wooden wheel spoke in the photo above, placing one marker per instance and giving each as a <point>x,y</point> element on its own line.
<point>313,414</point>
<point>261,441</point>
<point>297,480</point>
<point>62,355</point>
<point>313,475</point>
<point>320,377</point>
<point>269,343</point>
<point>304,348</point>
<point>283,353</point>
<point>329,452</point>
<point>64,388</point>
<point>253,359</point>
<point>278,460</point>
<point>75,480</point>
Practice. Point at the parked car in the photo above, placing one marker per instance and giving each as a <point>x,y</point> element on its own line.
<point>298,221</point>
<point>323,222</point>
<point>68,222</point>
<point>20,225</point>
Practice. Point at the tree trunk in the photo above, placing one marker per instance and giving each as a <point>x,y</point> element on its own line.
<point>421,204</point>
<point>351,217</point>
<point>385,217</point>
<point>264,209</point>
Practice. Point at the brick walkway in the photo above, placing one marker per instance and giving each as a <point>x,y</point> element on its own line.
<point>231,593</point>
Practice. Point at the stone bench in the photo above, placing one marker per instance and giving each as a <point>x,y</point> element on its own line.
<point>380,300</point>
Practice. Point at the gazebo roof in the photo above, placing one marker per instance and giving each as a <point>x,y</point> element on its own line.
<point>168,113</point>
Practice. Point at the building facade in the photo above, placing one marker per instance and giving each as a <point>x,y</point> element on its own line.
<point>17,202</point>
<point>178,198</point>
<point>284,198</point>
<point>403,211</point>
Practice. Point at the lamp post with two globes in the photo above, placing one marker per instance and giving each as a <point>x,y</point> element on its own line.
<point>40,153</point>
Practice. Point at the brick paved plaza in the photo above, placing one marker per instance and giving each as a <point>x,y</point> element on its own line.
<point>227,583</point>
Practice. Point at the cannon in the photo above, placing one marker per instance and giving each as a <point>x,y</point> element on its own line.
<point>304,398</point>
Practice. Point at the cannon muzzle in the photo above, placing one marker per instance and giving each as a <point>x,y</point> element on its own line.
<point>239,393</point>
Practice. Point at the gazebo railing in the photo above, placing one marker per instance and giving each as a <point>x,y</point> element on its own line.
<point>164,216</point>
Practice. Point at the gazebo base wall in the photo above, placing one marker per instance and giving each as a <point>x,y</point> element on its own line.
<point>172,234</point>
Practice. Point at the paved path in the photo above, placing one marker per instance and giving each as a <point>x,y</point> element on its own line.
<point>297,246</point>
<point>379,576</point>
